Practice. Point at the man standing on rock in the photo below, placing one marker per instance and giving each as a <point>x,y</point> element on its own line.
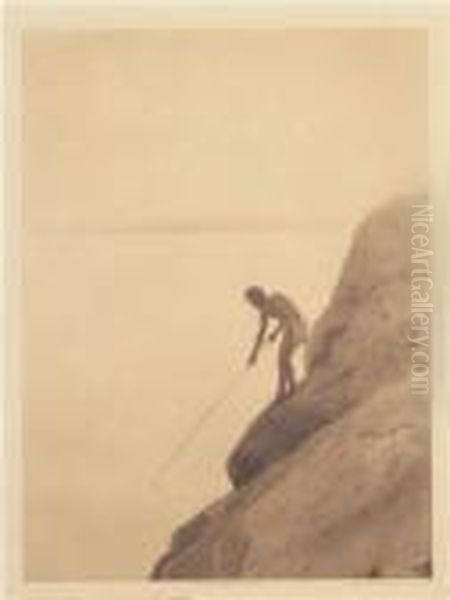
<point>290,325</point>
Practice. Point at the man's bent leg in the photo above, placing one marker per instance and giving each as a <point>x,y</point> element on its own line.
<point>286,375</point>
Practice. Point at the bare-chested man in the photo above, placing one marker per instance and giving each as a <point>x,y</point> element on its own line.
<point>290,325</point>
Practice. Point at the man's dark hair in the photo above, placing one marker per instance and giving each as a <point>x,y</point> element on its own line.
<point>255,294</point>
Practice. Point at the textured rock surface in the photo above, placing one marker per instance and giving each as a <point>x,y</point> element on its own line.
<point>336,480</point>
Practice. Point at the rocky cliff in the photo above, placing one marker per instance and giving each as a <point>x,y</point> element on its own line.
<point>335,481</point>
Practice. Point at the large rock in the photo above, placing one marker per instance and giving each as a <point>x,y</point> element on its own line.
<point>334,481</point>
<point>359,343</point>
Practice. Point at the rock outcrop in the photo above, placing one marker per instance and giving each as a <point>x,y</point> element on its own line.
<point>335,481</point>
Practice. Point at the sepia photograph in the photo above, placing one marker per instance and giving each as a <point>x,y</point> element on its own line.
<point>227,293</point>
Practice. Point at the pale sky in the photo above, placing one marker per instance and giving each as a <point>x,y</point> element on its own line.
<point>164,171</point>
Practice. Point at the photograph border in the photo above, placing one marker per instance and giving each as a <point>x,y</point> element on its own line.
<point>83,15</point>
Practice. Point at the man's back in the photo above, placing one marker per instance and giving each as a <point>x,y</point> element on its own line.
<point>282,308</point>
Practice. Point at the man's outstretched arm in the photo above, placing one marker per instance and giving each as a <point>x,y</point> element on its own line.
<point>259,340</point>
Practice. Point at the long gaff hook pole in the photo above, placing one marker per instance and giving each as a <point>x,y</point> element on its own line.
<point>209,411</point>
